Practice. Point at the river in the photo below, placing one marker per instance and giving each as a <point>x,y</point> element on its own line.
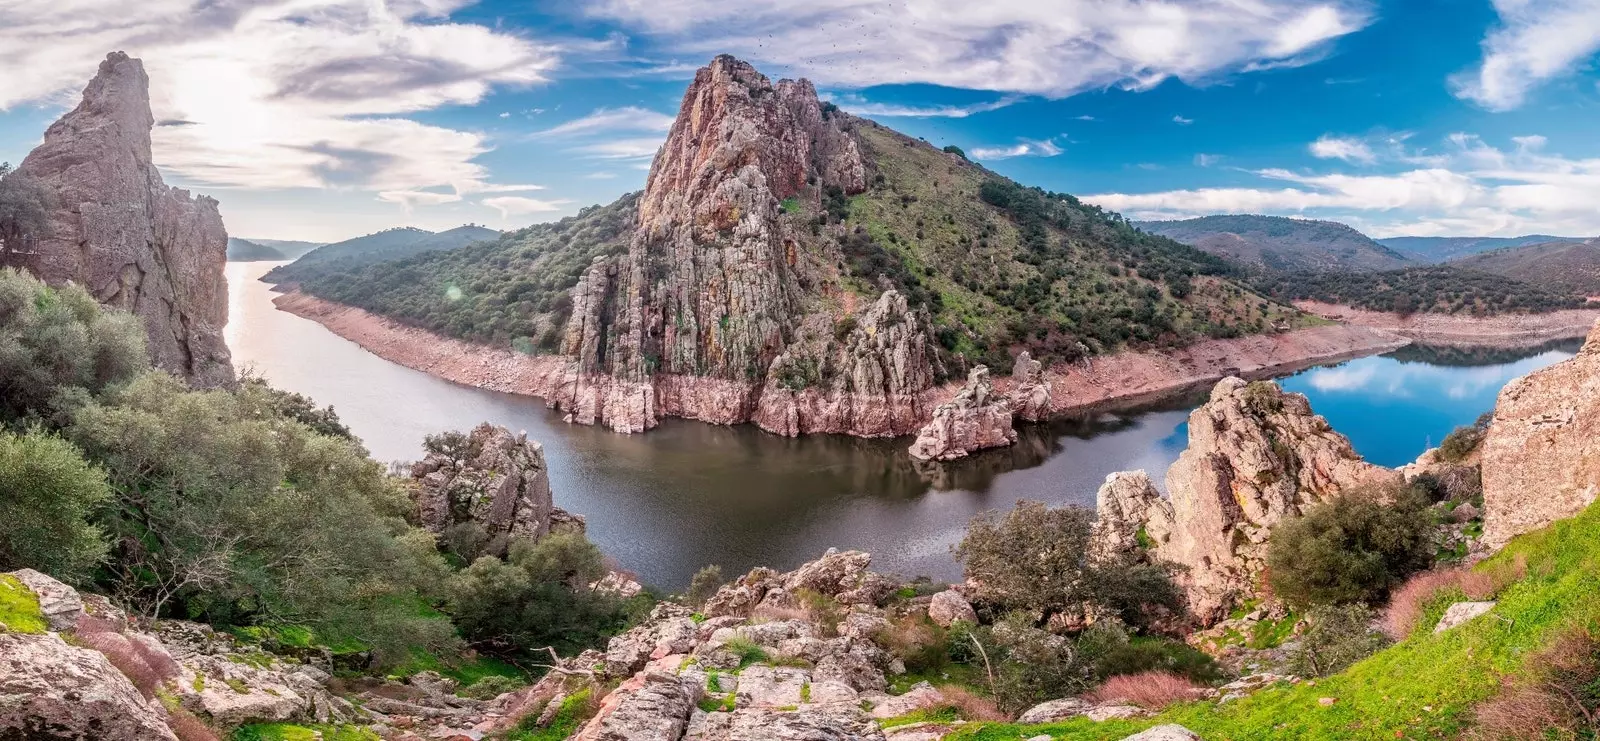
<point>687,494</point>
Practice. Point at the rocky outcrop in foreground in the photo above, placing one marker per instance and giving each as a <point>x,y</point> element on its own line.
<point>118,230</point>
<point>489,478</point>
<point>976,419</point>
<point>1541,457</point>
<point>1256,457</point>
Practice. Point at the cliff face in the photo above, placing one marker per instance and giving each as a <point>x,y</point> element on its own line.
<point>117,229</point>
<point>720,283</point>
<point>1541,458</point>
<point>1256,457</point>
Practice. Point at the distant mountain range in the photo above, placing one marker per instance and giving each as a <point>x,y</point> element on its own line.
<point>1569,266</point>
<point>1440,249</point>
<point>267,250</point>
<point>1281,244</point>
<point>390,244</point>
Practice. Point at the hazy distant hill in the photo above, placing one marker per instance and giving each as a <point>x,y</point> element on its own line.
<point>1439,249</point>
<point>244,250</point>
<point>1573,267</point>
<point>289,248</point>
<point>1281,243</point>
<point>1444,289</point>
<point>390,244</point>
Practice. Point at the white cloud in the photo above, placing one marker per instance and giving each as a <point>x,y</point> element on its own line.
<point>1181,121</point>
<point>1344,148</point>
<point>1537,41</point>
<point>410,199</point>
<point>1025,148</point>
<point>1206,160</point>
<point>1084,117</point>
<point>854,104</point>
<point>518,206</point>
<point>1471,188</point>
<point>284,93</point>
<point>621,149</point>
<point>600,175</point>
<point>1024,46</point>
<point>629,118</point>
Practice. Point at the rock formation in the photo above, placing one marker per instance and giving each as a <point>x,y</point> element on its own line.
<point>118,230</point>
<point>1541,458</point>
<point>1126,503</point>
<point>714,313</point>
<point>1256,456</point>
<point>1030,391</point>
<point>976,419</point>
<point>491,478</point>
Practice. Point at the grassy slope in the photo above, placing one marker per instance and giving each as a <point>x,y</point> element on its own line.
<point>1423,687</point>
<point>1443,289</point>
<point>1573,267</point>
<point>1282,243</point>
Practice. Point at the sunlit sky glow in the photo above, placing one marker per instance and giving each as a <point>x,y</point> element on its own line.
<point>324,119</point>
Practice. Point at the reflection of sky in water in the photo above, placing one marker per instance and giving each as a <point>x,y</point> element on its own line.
<point>1393,410</point>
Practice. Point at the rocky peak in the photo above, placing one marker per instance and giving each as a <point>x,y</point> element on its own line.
<point>117,229</point>
<point>491,479</point>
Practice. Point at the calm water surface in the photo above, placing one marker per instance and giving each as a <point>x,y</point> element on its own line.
<point>688,494</point>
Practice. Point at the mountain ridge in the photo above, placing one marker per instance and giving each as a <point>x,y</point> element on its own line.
<point>1281,243</point>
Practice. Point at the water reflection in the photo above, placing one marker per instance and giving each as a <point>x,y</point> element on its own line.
<point>689,494</point>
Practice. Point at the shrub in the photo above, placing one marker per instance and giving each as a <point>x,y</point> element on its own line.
<point>970,705</point>
<point>1463,440</point>
<point>50,492</point>
<point>59,339</point>
<point>539,596</point>
<point>703,586</point>
<point>1558,696</point>
<point>1023,664</point>
<point>1410,602</point>
<point>1353,548</point>
<point>916,641</point>
<point>142,666</point>
<point>1151,690</point>
<point>1336,637</point>
<point>187,727</point>
<point>491,686</point>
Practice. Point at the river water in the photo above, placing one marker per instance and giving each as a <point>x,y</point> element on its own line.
<point>688,494</point>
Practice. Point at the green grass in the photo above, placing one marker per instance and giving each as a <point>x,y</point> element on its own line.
<point>566,721</point>
<point>748,652</point>
<point>1421,688</point>
<point>290,732</point>
<point>939,714</point>
<point>19,608</point>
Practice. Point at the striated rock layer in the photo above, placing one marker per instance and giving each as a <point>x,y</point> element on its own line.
<point>1541,457</point>
<point>713,312</point>
<point>976,419</point>
<point>117,229</point>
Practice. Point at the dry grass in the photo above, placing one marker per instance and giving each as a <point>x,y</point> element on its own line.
<point>140,659</point>
<point>1152,690</point>
<point>189,728</point>
<point>1408,603</point>
<point>774,613</point>
<point>971,705</point>
<point>1558,696</point>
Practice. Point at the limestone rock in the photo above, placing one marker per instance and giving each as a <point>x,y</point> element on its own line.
<point>491,478</point>
<point>1168,732</point>
<point>950,606</point>
<point>1256,456</point>
<point>836,722</point>
<point>59,603</point>
<point>769,686</point>
<point>650,706</point>
<point>118,230</point>
<point>1461,612</point>
<point>1126,502</point>
<point>1541,457</point>
<point>1054,710</point>
<point>1030,392</point>
<point>976,419</point>
<point>52,690</point>
<point>836,572</point>
<point>921,695</point>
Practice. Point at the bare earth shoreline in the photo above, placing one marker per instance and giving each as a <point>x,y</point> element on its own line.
<point>1115,382</point>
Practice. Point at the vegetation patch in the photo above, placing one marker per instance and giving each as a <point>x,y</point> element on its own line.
<point>291,732</point>
<point>574,710</point>
<point>19,607</point>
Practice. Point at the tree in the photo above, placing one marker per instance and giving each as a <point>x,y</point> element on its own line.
<point>539,596</point>
<point>1336,637</point>
<point>703,586</point>
<point>24,211</point>
<point>56,340</point>
<point>1350,549</point>
<point>49,493</point>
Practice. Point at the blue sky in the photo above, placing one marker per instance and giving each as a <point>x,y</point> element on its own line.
<point>323,119</point>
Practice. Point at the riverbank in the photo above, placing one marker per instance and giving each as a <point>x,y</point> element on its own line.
<point>1504,331</point>
<point>1119,381</point>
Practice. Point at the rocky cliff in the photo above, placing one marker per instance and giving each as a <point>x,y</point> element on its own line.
<point>1256,456</point>
<point>491,480</point>
<point>714,312</point>
<point>1541,457</point>
<point>117,229</point>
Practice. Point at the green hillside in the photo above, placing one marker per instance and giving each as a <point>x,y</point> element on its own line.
<point>244,250</point>
<point>1278,243</point>
<point>390,244</point>
<point>1570,267</point>
<point>1427,288</point>
<point>1440,249</point>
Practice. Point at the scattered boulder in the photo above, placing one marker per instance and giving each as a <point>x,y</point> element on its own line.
<point>772,686</point>
<point>1168,732</point>
<point>1126,503</point>
<point>921,695</point>
<point>1055,710</point>
<point>650,706</point>
<point>950,606</point>
<point>835,722</point>
<point>976,419</point>
<point>1541,457</point>
<point>1461,612</point>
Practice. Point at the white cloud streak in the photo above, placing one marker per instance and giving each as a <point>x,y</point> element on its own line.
<point>1053,49</point>
<point>1344,148</point>
<point>1025,148</point>
<point>1537,41</point>
<point>509,206</point>
<point>630,118</point>
<point>852,104</point>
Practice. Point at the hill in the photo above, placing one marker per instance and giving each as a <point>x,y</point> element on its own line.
<point>1425,288</point>
<point>244,250</point>
<point>1571,267</point>
<point>1278,243</point>
<point>1440,249</point>
<point>389,244</point>
<point>289,248</point>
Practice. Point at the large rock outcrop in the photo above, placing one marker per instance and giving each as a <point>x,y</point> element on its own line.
<point>1030,390</point>
<point>715,312</point>
<point>976,419</point>
<point>1541,457</point>
<point>50,689</point>
<point>1256,456</point>
<point>491,478</point>
<point>118,230</point>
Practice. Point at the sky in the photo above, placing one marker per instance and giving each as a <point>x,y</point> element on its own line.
<point>327,119</point>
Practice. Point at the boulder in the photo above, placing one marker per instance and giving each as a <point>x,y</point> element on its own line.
<point>1030,391</point>
<point>1168,732</point>
<point>949,606</point>
<point>117,230</point>
<point>769,686</point>
<point>1461,612</point>
<point>1126,503</point>
<point>921,695</point>
<point>59,603</point>
<point>1055,710</point>
<point>650,706</point>
<point>490,478</point>
<point>835,573</point>
<point>836,722</point>
<point>52,690</point>
<point>976,419</point>
<point>1541,456</point>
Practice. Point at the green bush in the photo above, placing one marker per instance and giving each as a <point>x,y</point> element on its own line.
<point>50,491</point>
<point>703,586</point>
<point>491,687</point>
<point>539,596</point>
<point>1463,440</point>
<point>1353,548</point>
<point>55,341</point>
<point>1336,637</point>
